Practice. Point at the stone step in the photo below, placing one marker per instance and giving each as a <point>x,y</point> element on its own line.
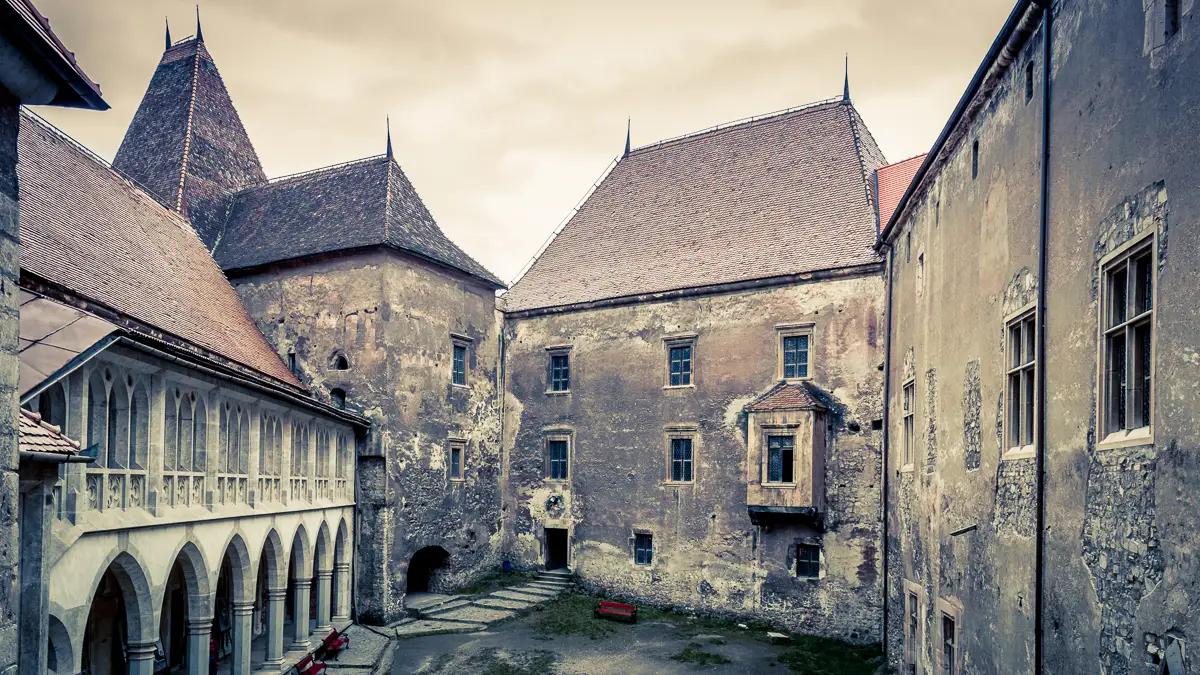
<point>554,578</point>
<point>515,594</point>
<point>448,606</point>
<point>543,586</point>
<point>427,627</point>
<point>561,573</point>
<point>505,603</point>
<point>476,614</point>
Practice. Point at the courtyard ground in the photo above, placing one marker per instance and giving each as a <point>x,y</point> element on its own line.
<point>561,637</point>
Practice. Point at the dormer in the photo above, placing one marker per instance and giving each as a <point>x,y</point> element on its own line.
<point>785,461</point>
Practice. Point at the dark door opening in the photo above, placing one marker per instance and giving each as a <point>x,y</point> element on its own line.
<point>556,548</point>
<point>423,568</point>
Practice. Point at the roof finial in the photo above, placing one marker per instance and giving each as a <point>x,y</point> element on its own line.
<point>199,33</point>
<point>168,22</point>
<point>389,136</point>
<point>846,91</point>
<point>628,126</point>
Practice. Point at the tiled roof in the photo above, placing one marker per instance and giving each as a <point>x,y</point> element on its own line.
<point>781,195</point>
<point>892,181</point>
<point>85,228</point>
<point>39,436</point>
<point>786,396</point>
<point>75,88</point>
<point>369,202</point>
<point>186,144</point>
<point>52,335</point>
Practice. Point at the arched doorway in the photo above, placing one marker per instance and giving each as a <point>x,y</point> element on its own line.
<point>118,629</point>
<point>270,599</point>
<point>233,606</point>
<point>299,589</point>
<point>423,569</point>
<point>341,575</point>
<point>185,622</point>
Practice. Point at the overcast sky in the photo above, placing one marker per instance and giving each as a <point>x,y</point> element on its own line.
<point>504,112</point>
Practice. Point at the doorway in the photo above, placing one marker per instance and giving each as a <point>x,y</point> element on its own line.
<point>556,548</point>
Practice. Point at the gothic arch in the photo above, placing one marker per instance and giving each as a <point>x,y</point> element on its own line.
<point>275,557</point>
<point>196,580</point>
<point>135,591</point>
<point>60,655</point>
<point>323,559</point>
<point>302,549</point>
<point>242,580</point>
<point>341,545</point>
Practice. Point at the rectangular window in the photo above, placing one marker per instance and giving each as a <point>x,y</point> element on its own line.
<point>460,364</point>
<point>949,651</point>
<point>681,460</point>
<point>1128,339</point>
<point>458,457</point>
<point>1171,18</point>
<point>910,408</point>
<point>795,356</point>
<point>912,631</point>
<point>556,450</point>
<point>643,548</point>
<point>781,455</point>
<point>560,372</point>
<point>681,365</point>
<point>1029,82</point>
<point>808,561</point>
<point>974,160</point>
<point>1022,379</point>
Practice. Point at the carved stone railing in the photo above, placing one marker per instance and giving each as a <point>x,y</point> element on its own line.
<point>299,489</point>
<point>270,489</point>
<point>183,488</point>
<point>115,489</point>
<point>230,489</point>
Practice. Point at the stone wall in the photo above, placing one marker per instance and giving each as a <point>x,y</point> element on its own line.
<point>707,554</point>
<point>393,317</point>
<point>9,321</point>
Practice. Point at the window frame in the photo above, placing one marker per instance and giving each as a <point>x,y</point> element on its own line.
<point>948,608</point>
<point>1025,374</point>
<point>553,353</point>
<point>548,472</point>
<point>789,433</point>
<point>460,445</point>
<point>683,341</point>
<point>908,424</point>
<point>460,342</point>
<point>680,432</point>
<point>914,599</point>
<point>785,332</point>
<point>809,547</point>
<point>638,537</point>
<point>1123,259</point>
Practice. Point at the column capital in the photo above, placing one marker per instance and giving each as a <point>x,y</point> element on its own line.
<point>341,567</point>
<point>199,626</point>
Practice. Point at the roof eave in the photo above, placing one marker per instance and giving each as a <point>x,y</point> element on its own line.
<point>75,88</point>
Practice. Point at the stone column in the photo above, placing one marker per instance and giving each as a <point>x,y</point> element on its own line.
<point>275,599</point>
<point>37,510</point>
<point>341,581</point>
<point>324,577</point>
<point>242,614</point>
<point>199,631</point>
<point>141,658</point>
<point>300,613</point>
<point>252,474</point>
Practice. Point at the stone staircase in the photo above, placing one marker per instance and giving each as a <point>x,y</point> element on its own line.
<point>466,614</point>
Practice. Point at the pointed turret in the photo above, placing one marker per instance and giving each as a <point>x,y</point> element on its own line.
<point>388,120</point>
<point>168,22</point>
<point>199,33</point>
<point>628,128</point>
<point>846,89</point>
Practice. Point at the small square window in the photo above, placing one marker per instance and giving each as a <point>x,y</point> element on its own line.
<point>460,364</point>
<point>808,561</point>
<point>557,458</point>
<point>681,460</point>
<point>795,356</point>
<point>643,548</point>
<point>781,458</point>
<point>560,371</point>
<point>458,458</point>
<point>680,362</point>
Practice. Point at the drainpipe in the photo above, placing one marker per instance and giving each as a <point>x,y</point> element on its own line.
<point>1040,412</point>
<point>887,381</point>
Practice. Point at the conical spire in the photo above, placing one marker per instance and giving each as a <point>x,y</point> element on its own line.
<point>846,90</point>
<point>199,33</point>
<point>168,22</point>
<point>389,136</point>
<point>628,125</point>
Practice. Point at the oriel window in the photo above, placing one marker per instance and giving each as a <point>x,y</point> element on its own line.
<point>781,455</point>
<point>1128,343</point>
<point>681,460</point>
<point>795,356</point>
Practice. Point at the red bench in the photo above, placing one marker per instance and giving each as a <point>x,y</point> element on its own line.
<point>332,645</point>
<point>308,666</point>
<point>616,610</point>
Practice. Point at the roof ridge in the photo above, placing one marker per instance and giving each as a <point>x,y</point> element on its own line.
<point>187,134</point>
<point>851,114</point>
<point>919,155</point>
<point>387,194</point>
<point>735,124</point>
<point>309,173</point>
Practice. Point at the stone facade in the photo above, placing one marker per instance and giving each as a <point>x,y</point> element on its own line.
<point>619,418</point>
<point>9,272</point>
<point>962,532</point>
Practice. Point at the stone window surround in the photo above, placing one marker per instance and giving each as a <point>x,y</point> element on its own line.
<point>1141,435</point>
<point>912,643</point>
<point>679,340</point>
<point>950,607</point>
<point>633,537</point>
<point>551,352</point>
<point>812,543</point>
<point>466,342</point>
<point>787,330</point>
<point>558,433</point>
<point>1030,450</point>
<point>769,430</point>
<point>907,445</point>
<point>683,430</point>
<point>457,443</point>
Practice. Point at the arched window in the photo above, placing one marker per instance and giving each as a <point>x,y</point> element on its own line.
<point>339,397</point>
<point>264,445</point>
<point>97,428</point>
<point>171,433</point>
<point>243,441</point>
<point>139,427</point>
<point>299,449</point>
<point>223,440</point>
<point>186,431</point>
<point>199,433</point>
<point>339,362</point>
<point>340,457</point>
<point>277,449</point>
<point>52,406</point>
<point>118,425</point>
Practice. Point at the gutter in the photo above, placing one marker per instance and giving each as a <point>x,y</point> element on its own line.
<point>54,457</point>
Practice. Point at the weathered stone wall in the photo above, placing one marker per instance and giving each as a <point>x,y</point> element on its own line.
<point>392,317</point>
<point>9,322</point>
<point>1120,561</point>
<point>708,556</point>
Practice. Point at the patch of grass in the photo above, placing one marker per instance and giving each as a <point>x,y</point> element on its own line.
<point>811,655</point>
<point>497,580</point>
<point>570,614</point>
<point>694,654</point>
<point>496,662</point>
<point>691,626</point>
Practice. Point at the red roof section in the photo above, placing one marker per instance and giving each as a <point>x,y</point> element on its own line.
<point>87,229</point>
<point>891,183</point>
<point>786,396</point>
<point>38,436</point>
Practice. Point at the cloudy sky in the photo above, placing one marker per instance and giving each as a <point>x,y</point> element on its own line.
<point>505,111</point>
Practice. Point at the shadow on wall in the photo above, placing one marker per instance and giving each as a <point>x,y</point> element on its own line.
<point>423,569</point>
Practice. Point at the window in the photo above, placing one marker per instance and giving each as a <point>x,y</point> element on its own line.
<point>681,460</point>
<point>781,453</point>
<point>1022,383</point>
<point>458,459</point>
<point>1171,18</point>
<point>643,548</point>
<point>908,247</point>
<point>808,561</point>
<point>912,630</point>
<point>974,160</point>
<point>460,364</point>
<point>560,371</point>
<point>291,362</point>
<point>338,396</point>
<point>557,458</point>
<point>795,356</point>
<point>681,365</point>
<point>949,652</point>
<point>1128,325</point>
<point>910,405</point>
<point>1029,82</point>
<point>339,362</point>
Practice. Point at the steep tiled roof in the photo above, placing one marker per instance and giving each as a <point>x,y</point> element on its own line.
<point>786,396</point>
<point>770,197</point>
<point>891,182</point>
<point>85,228</point>
<point>39,436</point>
<point>186,144</point>
<point>364,203</point>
